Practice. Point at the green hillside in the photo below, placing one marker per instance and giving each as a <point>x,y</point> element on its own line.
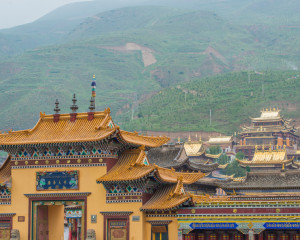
<point>136,52</point>
<point>231,97</point>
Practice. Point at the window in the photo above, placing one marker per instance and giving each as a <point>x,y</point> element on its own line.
<point>159,232</point>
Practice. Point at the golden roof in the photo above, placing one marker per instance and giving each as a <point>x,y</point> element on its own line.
<point>196,149</point>
<point>170,176</point>
<point>132,165</point>
<point>193,148</point>
<point>81,130</point>
<point>134,138</point>
<point>220,139</point>
<point>268,114</point>
<point>167,197</point>
<point>262,157</point>
<point>5,170</point>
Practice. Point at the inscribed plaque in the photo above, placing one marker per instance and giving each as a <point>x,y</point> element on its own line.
<point>57,180</point>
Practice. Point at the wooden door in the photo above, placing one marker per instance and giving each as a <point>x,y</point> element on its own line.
<point>42,223</point>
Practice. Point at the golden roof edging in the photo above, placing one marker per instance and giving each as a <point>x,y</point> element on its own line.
<point>215,156</point>
<point>173,175</point>
<point>144,140</point>
<point>6,166</point>
<point>105,121</point>
<point>163,199</point>
<point>67,141</point>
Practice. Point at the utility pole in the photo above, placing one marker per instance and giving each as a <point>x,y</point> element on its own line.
<point>248,77</point>
<point>133,105</point>
<point>210,117</point>
<point>185,96</point>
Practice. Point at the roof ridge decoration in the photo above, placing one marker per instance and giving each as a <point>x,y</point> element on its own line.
<point>47,131</point>
<point>131,166</point>
<point>179,189</point>
<point>168,197</point>
<point>267,156</point>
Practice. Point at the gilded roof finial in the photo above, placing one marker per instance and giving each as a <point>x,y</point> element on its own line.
<point>282,167</point>
<point>56,109</point>
<point>178,140</point>
<point>200,139</point>
<point>189,138</point>
<point>263,147</point>
<point>94,86</point>
<point>255,148</point>
<point>74,107</point>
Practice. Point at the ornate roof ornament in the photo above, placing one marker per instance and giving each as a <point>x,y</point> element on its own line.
<point>92,104</point>
<point>74,107</point>
<point>56,109</point>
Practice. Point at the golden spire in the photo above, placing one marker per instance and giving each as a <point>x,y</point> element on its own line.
<point>263,147</point>
<point>189,138</point>
<point>282,167</point>
<point>178,140</point>
<point>200,139</point>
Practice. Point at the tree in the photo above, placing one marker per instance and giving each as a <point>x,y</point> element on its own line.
<point>214,150</point>
<point>240,155</point>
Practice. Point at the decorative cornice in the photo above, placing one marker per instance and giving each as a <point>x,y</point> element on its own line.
<point>160,222</point>
<point>2,215</point>
<point>61,195</point>
<point>116,213</point>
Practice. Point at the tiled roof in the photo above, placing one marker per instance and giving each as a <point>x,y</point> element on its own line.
<point>134,138</point>
<point>81,130</point>
<point>5,171</point>
<point>129,167</point>
<point>133,165</point>
<point>167,197</point>
<point>48,131</point>
<point>262,157</point>
<point>271,114</point>
<point>193,148</point>
<point>266,180</point>
<point>220,139</point>
<point>171,176</point>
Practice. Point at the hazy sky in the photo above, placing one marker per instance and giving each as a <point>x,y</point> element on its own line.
<point>17,12</point>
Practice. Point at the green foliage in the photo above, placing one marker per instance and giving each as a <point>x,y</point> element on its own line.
<point>240,155</point>
<point>234,168</point>
<point>214,150</point>
<point>223,159</point>
<point>229,96</point>
<point>173,94</point>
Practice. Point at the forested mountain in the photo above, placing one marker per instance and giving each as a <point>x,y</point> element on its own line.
<point>141,52</point>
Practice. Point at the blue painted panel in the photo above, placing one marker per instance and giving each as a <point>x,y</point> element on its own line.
<point>57,180</point>
<point>282,225</point>
<point>213,225</point>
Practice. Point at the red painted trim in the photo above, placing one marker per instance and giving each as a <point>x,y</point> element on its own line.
<point>115,217</point>
<point>110,163</point>
<point>56,199</point>
<point>90,116</point>
<point>146,197</point>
